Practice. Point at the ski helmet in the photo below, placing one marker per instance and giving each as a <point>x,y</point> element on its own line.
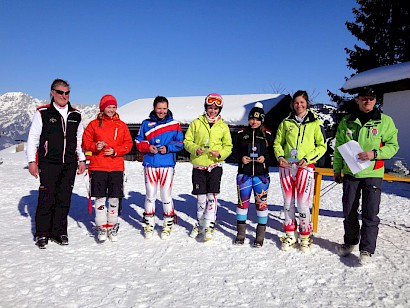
<point>214,99</point>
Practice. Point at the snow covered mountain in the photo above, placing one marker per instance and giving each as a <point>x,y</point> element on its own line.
<point>16,112</point>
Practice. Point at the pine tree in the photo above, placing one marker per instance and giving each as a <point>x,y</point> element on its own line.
<point>383,28</point>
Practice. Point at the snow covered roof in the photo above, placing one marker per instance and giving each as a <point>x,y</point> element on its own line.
<point>186,109</point>
<point>378,76</point>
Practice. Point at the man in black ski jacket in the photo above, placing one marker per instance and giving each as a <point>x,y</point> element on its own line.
<point>53,152</point>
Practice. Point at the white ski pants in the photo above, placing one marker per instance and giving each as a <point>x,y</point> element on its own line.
<point>297,189</point>
<point>162,177</point>
<point>106,217</point>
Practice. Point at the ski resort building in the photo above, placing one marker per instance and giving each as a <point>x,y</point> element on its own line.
<point>393,82</point>
<point>186,109</point>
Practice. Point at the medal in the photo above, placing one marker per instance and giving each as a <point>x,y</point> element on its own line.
<point>254,154</point>
<point>206,146</point>
<point>293,159</point>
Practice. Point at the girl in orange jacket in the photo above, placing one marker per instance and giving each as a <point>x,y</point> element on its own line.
<point>109,139</point>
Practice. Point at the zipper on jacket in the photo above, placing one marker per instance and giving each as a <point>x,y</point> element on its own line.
<point>253,145</point>
<point>297,140</point>
<point>64,127</point>
<point>115,134</point>
<point>303,134</point>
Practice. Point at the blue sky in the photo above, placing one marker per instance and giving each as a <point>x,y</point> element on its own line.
<point>139,49</point>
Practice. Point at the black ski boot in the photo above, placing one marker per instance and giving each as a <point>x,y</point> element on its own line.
<point>41,242</point>
<point>240,237</point>
<point>260,236</point>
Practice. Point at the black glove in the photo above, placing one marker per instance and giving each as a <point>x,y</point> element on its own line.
<point>338,178</point>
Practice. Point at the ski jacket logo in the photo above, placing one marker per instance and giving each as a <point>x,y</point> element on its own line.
<point>375,131</point>
<point>53,120</point>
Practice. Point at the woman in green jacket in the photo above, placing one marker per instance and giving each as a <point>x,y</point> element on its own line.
<point>208,140</point>
<point>299,143</point>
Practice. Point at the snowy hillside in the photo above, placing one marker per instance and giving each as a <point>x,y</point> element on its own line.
<point>183,272</point>
<point>16,112</point>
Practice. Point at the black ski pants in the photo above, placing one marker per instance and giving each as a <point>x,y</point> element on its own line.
<point>369,189</point>
<point>54,198</point>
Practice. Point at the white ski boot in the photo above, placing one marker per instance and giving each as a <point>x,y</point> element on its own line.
<point>365,258</point>
<point>209,227</point>
<point>102,233</point>
<point>113,232</point>
<point>289,241</point>
<point>167,227</point>
<point>305,243</point>
<point>149,224</point>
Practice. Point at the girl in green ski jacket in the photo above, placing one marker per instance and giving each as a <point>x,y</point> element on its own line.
<point>299,143</point>
<point>209,142</point>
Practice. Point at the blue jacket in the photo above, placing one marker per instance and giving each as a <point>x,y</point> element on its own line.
<point>166,132</point>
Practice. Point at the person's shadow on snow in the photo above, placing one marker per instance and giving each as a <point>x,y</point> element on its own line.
<point>188,206</point>
<point>132,210</point>
<point>27,208</point>
<point>78,211</point>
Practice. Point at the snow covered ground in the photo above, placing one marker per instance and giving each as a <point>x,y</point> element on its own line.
<point>184,272</point>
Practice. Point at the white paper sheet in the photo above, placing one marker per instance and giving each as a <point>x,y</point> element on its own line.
<point>349,152</point>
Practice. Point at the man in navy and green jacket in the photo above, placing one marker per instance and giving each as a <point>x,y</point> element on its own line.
<point>377,135</point>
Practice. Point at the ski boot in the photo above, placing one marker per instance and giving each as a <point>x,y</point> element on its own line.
<point>101,233</point>
<point>345,250</point>
<point>197,229</point>
<point>41,242</point>
<point>260,236</point>
<point>305,243</point>
<point>365,257</point>
<point>289,241</point>
<point>149,224</point>
<point>240,237</point>
<point>167,227</point>
<point>113,232</point>
<point>209,227</point>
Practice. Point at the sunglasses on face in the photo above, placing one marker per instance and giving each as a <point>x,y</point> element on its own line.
<point>368,98</point>
<point>62,92</point>
<point>214,100</point>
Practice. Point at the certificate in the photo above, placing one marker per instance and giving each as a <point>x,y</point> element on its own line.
<point>349,152</point>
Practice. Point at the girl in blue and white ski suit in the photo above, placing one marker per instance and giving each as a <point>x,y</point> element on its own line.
<point>159,139</point>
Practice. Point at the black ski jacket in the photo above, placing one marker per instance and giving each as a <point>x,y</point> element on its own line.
<point>253,141</point>
<point>58,142</point>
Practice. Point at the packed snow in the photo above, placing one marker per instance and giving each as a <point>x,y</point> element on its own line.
<point>185,272</point>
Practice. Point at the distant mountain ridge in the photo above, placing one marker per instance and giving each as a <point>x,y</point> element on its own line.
<point>17,110</point>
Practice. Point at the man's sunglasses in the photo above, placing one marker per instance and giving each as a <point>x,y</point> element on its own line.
<point>62,92</point>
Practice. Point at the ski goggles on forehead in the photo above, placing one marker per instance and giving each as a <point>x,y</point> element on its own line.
<point>214,100</point>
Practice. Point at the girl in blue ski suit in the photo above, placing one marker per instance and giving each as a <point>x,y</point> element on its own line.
<point>159,139</point>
